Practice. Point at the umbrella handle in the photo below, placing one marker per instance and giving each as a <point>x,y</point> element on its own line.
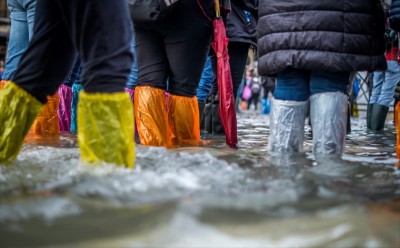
<point>217,8</point>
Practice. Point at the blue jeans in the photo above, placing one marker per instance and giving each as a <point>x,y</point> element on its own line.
<point>205,82</point>
<point>133,77</point>
<point>22,15</point>
<point>299,85</point>
<point>384,84</point>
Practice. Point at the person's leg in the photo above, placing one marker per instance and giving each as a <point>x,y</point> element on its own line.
<point>42,68</point>
<point>378,79</point>
<point>150,100</point>
<point>18,39</point>
<point>381,108</point>
<point>102,35</point>
<point>238,53</point>
<point>187,32</point>
<point>328,111</point>
<point>288,111</point>
<point>30,7</point>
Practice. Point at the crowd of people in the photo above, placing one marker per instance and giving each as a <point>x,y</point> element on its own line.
<point>79,58</point>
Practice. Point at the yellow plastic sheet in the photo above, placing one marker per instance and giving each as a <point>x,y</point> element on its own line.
<point>183,113</point>
<point>106,128</point>
<point>18,110</point>
<point>47,121</point>
<point>151,116</point>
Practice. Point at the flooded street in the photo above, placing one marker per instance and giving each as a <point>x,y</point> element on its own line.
<point>210,196</point>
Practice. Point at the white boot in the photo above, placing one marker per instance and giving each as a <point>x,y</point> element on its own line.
<point>328,115</point>
<point>286,126</point>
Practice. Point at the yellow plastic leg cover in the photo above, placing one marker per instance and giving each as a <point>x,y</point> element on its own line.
<point>47,120</point>
<point>183,113</point>
<point>18,110</point>
<point>151,116</point>
<point>106,130</point>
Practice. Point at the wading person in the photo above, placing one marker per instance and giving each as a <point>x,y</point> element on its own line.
<point>312,47</point>
<point>171,56</point>
<point>99,32</point>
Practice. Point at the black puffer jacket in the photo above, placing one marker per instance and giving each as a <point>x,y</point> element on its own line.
<point>242,28</point>
<point>337,36</point>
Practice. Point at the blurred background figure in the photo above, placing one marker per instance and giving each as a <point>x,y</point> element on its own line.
<point>384,82</point>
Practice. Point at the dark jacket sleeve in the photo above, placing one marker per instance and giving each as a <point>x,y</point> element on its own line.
<point>394,16</point>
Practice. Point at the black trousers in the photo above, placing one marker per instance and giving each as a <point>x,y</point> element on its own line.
<point>238,53</point>
<point>172,53</point>
<point>98,31</point>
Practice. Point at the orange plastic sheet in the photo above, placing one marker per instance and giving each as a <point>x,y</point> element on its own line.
<point>47,120</point>
<point>18,110</point>
<point>151,116</point>
<point>106,128</point>
<point>183,113</point>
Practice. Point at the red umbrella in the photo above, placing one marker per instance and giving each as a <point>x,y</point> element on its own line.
<point>227,110</point>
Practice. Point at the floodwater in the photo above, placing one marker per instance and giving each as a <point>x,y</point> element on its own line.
<point>210,196</point>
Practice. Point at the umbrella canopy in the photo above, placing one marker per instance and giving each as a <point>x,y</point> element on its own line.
<point>227,110</point>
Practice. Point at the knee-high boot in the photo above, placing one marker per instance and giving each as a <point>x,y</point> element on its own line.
<point>287,119</point>
<point>378,117</point>
<point>329,121</point>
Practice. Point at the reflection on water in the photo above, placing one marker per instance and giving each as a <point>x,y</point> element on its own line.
<point>210,196</point>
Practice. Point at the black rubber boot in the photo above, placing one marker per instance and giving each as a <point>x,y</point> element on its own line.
<point>202,105</point>
<point>348,131</point>
<point>378,117</point>
<point>217,127</point>
<point>369,112</point>
<point>207,116</point>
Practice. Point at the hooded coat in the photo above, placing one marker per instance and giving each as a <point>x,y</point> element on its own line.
<point>326,35</point>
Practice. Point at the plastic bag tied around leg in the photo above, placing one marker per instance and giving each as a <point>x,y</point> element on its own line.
<point>106,131</point>
<point>3,83</point>
<point>183,113</point>
<point>328,113</point>
<point>287,119</point>
<point>64,109</point>
<point>18,110</point>
<point>151,116</point>
<point>76,88</point>
<point>47,120</point>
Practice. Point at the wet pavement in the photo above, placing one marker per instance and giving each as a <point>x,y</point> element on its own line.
<point>210,196</point>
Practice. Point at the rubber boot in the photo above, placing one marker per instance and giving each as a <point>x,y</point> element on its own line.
<point>151,116</point>
<point>217,127</point>
<point>369,112</point>
<point>47,121</point>
<point>328,113</point>
<point>287,120</point>
<point>64,108</point>
<point>378,117</point>
<point>202,105</point>
<point>106,128</point>
<point>207,117</point>
<point>18,112</point>
<point>183,115</point>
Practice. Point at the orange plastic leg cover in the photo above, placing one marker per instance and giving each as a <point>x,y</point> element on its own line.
<point>183,113</point>
<point>151,116</point>
<point>3,83</point>
<point>47,120</point>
